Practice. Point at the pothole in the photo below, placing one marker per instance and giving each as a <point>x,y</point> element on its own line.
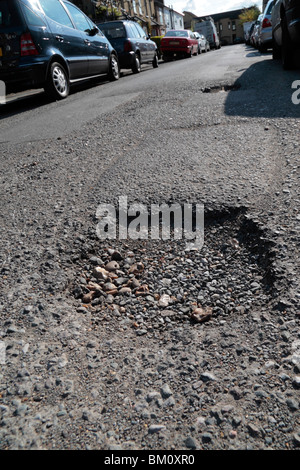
<point>149,284</point>
<point>220,88</point>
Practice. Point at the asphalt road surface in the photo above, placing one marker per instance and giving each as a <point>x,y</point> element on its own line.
<point>141,344</point>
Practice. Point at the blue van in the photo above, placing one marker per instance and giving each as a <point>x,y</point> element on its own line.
<point>50,44</point>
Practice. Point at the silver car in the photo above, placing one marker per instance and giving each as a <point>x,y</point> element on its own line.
<point>203,44</point>
<point>254,36</point>
<point>264,33</point>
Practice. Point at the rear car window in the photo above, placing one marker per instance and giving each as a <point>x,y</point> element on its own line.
<point>179,34</point>
<point>9,14</point>
<point>113,31</point>
<point>32,18</point>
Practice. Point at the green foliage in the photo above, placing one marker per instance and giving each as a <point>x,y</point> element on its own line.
<point>249,14</point>
<point>108,10</point>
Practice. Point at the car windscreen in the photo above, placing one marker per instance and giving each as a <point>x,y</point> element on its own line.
<point>9,14</point>
<point>178,34</point>
<point>115,31</point>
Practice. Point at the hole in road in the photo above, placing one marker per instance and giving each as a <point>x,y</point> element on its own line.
<point>150,283</point>
<point>219,88</point>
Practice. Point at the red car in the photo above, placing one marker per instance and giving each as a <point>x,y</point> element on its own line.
<point>179,42</point>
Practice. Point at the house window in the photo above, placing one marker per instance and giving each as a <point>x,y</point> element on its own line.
<point>229,25</point>
<point>233,26</point>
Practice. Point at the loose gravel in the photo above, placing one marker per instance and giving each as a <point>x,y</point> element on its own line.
<point>140,344</point>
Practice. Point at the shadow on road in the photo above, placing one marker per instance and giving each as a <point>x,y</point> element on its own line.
<point>264,90</point>
<point>33,99</point>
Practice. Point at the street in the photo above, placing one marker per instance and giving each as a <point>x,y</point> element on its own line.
<point>128,344</point>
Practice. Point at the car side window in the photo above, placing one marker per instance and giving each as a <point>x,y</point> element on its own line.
<point>79,18</point>
<point>133,32</point>
<point>56,12</point>
<point>139,31</point>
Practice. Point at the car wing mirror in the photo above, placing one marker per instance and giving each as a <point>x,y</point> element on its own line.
<point>94,31</point>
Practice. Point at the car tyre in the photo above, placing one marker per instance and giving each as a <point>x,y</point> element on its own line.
<point>286,49</point>
<point>114,68</point>
<point>136,68</point>
<point>57,85</point>
<point>276,52</point>
<point>155,61</point>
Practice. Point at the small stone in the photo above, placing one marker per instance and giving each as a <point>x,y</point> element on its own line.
<point>95,260</point>
<point>125,290</point>
<point>87,298</point>
<point>201,315</point>
<point>109,286</point>
<point>154,428</point>
<point>253,430</point>
<point>292,404</point>
<point>166,391</point>
<point>100,273</point>
<point>206,437</point>
<point>190,443</point>
<point>164,300</point>
<point>296,381</point>
<point>207,376</point>
<point>116,256</point>
<point>112,266</point>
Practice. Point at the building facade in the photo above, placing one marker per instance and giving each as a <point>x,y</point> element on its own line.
<point>154,16</point>
<point>228,25</point>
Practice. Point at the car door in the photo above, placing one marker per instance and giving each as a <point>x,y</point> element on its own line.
<point>141,41</point>
<point>66,38</point>
<point>96,44</point>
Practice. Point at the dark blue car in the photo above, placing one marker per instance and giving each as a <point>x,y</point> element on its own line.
<point>133,45</point>
<point>50,44</point>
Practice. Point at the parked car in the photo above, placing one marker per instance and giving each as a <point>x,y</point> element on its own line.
<point>49,44</point>
<point>238,41</point>
<point>179,43</point>
<point>249,34</point>
<point>264,41</point>
<point>286,31</point>
<point>203,44</point>
<point>254,36</point>
<point>133,45</point>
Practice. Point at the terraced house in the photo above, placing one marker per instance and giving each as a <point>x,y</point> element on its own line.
<point>153,15</point>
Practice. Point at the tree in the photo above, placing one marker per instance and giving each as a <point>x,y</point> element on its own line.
<point>249,14</point>
<point>108,9</point>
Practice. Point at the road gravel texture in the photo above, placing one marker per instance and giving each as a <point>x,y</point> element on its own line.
<point>142,344</point>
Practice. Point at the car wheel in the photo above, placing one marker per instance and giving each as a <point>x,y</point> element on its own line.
<point>286,49</point>
<point>155,61</point>
<point>57,85</point>
<point>114,68</point>
<point>199,50</point>
<point>276,53</point>
<point>136,68</point>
